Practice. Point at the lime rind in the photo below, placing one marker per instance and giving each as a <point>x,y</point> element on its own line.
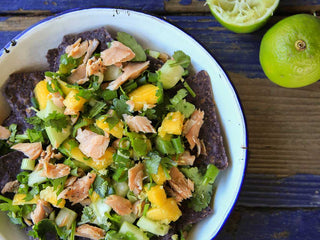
<point>242,16</point>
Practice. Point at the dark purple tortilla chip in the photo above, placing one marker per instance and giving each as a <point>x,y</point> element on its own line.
<point>210,131</point>
<point>19,92</point>
<point>154,64</point>
<point>53,55</point>
<point>10,167</point>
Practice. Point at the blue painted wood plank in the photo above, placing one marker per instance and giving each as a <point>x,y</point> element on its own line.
<point>266,224</point>
<point>55,6</point>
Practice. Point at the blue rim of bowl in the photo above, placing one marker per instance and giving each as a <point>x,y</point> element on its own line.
<point>14,40</point>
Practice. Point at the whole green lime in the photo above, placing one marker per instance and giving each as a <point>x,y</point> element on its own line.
<point>290,51</point>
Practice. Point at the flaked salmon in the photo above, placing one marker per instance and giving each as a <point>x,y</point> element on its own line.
<point>92,144</point>
<point>88,231</point>
<point>71,180</point>
<point>120,205</point>
<point>42,211</point>
<point>77,49</point>
<point>191,129</point>
<point>4,133</point>
<point>139,124</point>
<point>186,159</point>
<point>130,71</point>
<point>135,178</point>
<point>78,74</point>
<point>117,53</point>
<point>12,186</point>
<point>182,188</point>
<point>57,99</point>
<point>93,44</point>
<point>94,66</point>
<point>32,150</point>
<point>54,171</point>
<point>79,190</point>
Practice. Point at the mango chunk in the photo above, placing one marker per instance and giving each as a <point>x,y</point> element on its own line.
<point>156,195</point>
<point>171,124</point>
<point>160,176</point>
<point>50,195</point>
<point>71,148</point>
<point>146,94</point>
<point>18,199</point>
<point>116,131</point>
<point>64,87</point>
<point>42,94</point>
<point>74,102</point>
<point>168,211</point>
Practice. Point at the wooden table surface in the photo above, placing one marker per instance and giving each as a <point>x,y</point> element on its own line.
<point>280,196</point>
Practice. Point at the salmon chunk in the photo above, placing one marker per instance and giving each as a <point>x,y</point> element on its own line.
<point>12,186</point>
<point>139,124</point>
<point>32,150</point>
<point>135,176</point>
<point>182,188</point>
<point>92,144</point>
<point>120,205</point>
<point>186,159</point>
<point>117,53</point>
<point>4,133</point>
<point>42,210</point>
<point>130,71</point>
<point>78,74</point>
<point>79,190</point>
<point>93,44</point>
<point>88,231</point>
<point>78,49</point>
<point>54,171</point>
<point>191,129</point>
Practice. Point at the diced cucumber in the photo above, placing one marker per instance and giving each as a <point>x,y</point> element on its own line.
<point>170,74</point>
<point>130,218</point>
<point>127,227</point>
<point>153,53</point>
<point>111,73</point>
<point>36,177</point>
<point>100,208</point>
<point>121,188</point>
<point>65,218</point>
<point>151,226</point>
<point>27,164</point>
<point>55,137</point>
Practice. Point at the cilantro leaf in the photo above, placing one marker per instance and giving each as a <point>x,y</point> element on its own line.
<point>112,119</point>
<point>152,162</point>
<point>120,106</point>
<point>185,108</point>
<point>181,94</point>
<point>58,184</point>
<point>87,215</point>
<point>203,186</point>
<point>181,58</point>
<point>100,186</point>
<point>108,95</point>
<point>83,122</point>
<point>37,123</point>
<point>40,230</point>
<point>131,42</point>
<point>67,64</point>
<point>97,109</point>
<point>34,135</point>
<point>56,120</point>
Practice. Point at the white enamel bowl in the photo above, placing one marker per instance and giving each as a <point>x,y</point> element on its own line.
<point>154,33</point>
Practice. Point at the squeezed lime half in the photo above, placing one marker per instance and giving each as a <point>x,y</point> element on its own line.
<point>242,16</point>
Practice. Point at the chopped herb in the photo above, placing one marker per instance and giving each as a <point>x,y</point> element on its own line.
<point>112,119</point>
<point>100,186</point>
<point>67,64</point>
<point>34,103</point>
<point>13,129</point>
<point>130,42</point>
<point>185,108</point>
<point>96,129</point>
<point>109,95</point>
<point>153,162</point>
<point>97,108</point>
<point>87,215</point>
<point>181,58</point>
<point>58,184</point>
<point>187,86</point>
<point>37,123</point>
<point>181,94</point>
<point>120,106</point>
<point>82,122</point>
<point>153,77</point>
<point>56,120</point>
<point>35,135</point>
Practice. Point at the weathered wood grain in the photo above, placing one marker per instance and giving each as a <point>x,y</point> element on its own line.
<point>271,224</point>
<point>283,124</point>
<point>55,6</point>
